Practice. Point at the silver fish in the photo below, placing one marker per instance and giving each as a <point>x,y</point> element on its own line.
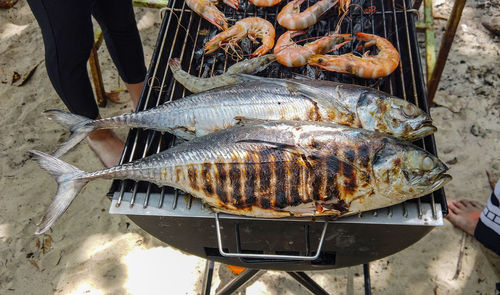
<point>196,85</point>
<point>267,99</point>
<point>274,169</point>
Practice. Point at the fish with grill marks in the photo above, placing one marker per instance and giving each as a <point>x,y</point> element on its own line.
<point>274,169</point>
<point>267,99</point>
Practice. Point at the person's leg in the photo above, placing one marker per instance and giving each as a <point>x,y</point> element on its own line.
<point>68,38</point>
<point>117,21</point>
<point>107,146</point>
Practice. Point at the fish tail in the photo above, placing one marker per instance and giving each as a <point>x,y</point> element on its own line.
<point>79,126</point>
<point>70,182</point>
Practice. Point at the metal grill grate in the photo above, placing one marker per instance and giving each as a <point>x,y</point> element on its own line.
<point>183,34</point>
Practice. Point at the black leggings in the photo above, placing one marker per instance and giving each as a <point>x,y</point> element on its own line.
<point>68,37</point>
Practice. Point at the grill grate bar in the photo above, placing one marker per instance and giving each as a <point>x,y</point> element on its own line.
<point>388,21</point>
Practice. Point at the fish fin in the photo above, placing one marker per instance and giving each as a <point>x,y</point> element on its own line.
<point>182,133</point>
<point>248,121</point>
<point>316,94</point>
<point>70,181</point>
<point>79,126</point>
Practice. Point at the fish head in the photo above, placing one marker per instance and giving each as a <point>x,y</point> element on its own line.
<point>404,171</point>
<point>380,112</point>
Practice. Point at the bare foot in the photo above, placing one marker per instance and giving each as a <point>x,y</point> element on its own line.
<point>464,214</point>
<point>107,146</point>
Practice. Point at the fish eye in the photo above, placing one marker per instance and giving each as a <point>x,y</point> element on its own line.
<point>408,110</point>
<point>427,163</point>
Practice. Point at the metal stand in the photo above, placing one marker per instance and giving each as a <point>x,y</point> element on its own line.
<point>247,274</point>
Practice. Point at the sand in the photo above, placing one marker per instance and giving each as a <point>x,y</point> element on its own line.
<point>89,251</point>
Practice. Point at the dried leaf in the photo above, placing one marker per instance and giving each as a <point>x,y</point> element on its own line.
<point>16,76</point>
<point>27,76</point>
<point>37,243</point>
<point>47,244</point>
<point>6,4</point>
<point>33,262</point>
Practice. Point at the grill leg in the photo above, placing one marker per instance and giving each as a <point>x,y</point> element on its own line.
<point>366,272</point>
<point>307,282</point>
<point>207,278</point>
<point>242,278</point>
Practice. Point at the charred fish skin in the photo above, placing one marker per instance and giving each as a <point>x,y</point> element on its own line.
<point>275,169</point>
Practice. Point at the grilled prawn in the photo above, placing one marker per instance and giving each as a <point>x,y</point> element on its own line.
<point>291,18</point>
<point>274,169</point>
<point>265,3</point>
<point>290,54</point>
<point>368,66</point>
<point>251,27</point>
<point>210,12</point>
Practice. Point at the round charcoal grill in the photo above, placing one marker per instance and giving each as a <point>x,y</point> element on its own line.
<point>291,244</point>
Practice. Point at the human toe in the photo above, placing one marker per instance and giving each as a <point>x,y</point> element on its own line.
<point>453,207</point>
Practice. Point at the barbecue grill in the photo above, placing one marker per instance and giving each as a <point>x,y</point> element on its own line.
<point>290,244</point>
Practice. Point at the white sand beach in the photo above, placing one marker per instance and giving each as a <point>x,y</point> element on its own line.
<point>89,251</point>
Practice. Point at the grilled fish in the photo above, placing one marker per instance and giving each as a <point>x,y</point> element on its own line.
<point>196,85</point>
<point>274,169</point>
<point>268,99</point>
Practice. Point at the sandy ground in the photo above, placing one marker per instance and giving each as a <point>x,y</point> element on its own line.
<point>90,251</point>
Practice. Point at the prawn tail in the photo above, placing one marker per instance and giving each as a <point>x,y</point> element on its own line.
<point>79,126</point>
<point>70,182</point>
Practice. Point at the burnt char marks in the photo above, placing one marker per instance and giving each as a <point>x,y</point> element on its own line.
<point>349,154</point>
<point>235,182</point>
<point>250,183</point>
<point>207,179</point>
<point>296,181</point>
<point>317,183</point>
<point>281,181</point>
<point>349,173</point>
<point>333,169</point>
<point>220,188</point>
<point>364,155</point>
<point>265,175</point>
<point>193,177</point>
